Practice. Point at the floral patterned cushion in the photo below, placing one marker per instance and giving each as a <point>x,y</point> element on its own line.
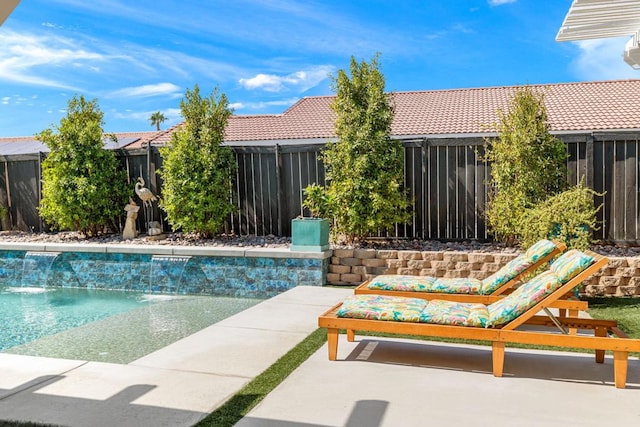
<point>523,298</point>
<point>447,285</point>
<point>401,283</point>
<point>570,264</point>
<point>540,250</point>
<point>455,313</point>
<point>506,273</point>
<point>382,307</point>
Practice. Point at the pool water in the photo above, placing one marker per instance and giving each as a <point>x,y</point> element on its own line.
<point>106,326</point>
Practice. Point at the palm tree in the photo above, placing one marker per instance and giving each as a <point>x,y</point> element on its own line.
<point>156,119</point>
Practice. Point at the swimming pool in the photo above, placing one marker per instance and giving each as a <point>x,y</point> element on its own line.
<point>106,326</point>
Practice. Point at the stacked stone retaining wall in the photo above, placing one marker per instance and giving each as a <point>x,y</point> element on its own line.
<point>621,277</point>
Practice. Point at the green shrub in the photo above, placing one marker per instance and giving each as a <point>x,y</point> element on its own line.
<point>569,216</point>
<point>83,187</point>
<point>197,171</point>
<point>528,164</point>
<point>317,201</point>
<point>364,168</point>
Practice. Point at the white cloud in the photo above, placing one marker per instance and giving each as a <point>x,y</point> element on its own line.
<point>263,104</point>
<point>493,3</point>
<point>5,100</point>
<point>299,81</point>
<point>147,90</point>
<point>23,55</point>
<point>602,59</point>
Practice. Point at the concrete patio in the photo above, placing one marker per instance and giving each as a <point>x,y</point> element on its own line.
<point>375,382</point>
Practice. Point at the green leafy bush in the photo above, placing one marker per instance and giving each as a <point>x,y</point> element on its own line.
<point>569,216</point>
<point>83,187</point>
<point>197,171</point>
<point>317,201</point>
<point>528,164</point>
<point>364,167</point>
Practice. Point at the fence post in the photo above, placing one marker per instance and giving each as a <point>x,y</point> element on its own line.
<point>426,232</point>
<point>278,188</point>
<point>589,167</point>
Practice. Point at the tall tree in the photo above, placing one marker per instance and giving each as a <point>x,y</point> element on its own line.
<point>157,119</point>
<point>197,169</point>
<point>83,187</point>
<point>364,168</point>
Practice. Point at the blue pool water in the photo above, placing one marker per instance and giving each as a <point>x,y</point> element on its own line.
<point>108,326</point>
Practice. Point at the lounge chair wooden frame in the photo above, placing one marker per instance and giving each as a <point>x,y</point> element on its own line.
<point>572,305</point>
<point>621,345</point>
<point>560,247</point>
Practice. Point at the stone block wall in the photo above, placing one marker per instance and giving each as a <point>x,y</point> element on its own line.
<point>621,277</point>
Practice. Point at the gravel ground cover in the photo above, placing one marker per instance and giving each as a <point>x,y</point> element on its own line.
<point>184,239</point>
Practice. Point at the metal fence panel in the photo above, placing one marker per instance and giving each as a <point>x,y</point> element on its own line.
<point>447,180</point>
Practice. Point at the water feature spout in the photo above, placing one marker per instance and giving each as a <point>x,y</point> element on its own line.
<point>36,267</point>
<point>166,273</point>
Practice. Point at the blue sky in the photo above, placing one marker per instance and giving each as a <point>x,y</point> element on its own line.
<point>137,57</point>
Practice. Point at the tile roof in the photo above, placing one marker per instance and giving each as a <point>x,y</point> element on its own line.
<point>571,107</point>
<point>589,106</point>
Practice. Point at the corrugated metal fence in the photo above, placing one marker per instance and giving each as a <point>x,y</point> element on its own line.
<point>445,177</point>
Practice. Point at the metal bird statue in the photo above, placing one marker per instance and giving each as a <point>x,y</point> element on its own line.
<point>144,193</point>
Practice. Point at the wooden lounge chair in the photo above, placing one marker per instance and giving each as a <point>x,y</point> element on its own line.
<point>498,284</point>
<point>474,325</point>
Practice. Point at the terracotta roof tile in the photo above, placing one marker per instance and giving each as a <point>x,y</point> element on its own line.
<point>587,106</point>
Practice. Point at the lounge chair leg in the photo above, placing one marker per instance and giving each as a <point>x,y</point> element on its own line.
<point>600,332</point>
<point>351,335</point>
<point>573,313</point>
<point>332,341</point>
<point>620,363</point>
<point>498,358</point>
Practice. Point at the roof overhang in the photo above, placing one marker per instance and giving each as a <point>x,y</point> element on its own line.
<point>596,19</point>
<point>6,7</point>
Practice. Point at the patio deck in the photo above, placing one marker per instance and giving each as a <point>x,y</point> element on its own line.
<point>375,382</point>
